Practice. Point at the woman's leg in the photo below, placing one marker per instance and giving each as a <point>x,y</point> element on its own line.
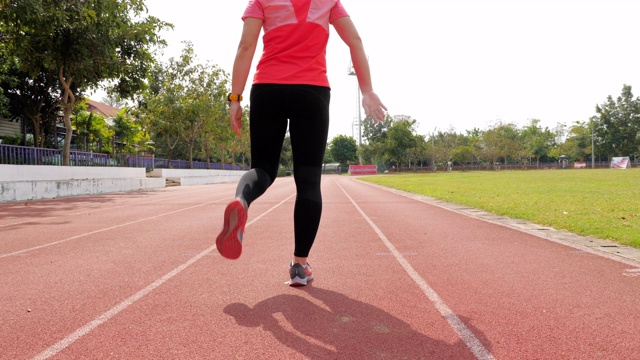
<point>267,130</point>
<point>268,126</point>
<point>308,127</point>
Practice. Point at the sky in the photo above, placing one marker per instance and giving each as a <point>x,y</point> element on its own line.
<point>453,64</point>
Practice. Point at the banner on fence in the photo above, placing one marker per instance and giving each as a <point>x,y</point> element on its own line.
<point>363,170</point>
<point>620,162</point>
<point>579,165</point>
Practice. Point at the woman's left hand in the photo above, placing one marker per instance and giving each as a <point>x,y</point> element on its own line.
<point>235,117</point>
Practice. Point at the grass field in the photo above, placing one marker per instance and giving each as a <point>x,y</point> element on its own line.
<point>602,203</point>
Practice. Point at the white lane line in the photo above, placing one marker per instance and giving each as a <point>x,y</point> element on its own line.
<point>270,210</point>
<point>102,209</point>
<point>73,337</point>
<point>102,230</point>
<point>583,245</point>
<point>70,339</point>
<point>466,335</point>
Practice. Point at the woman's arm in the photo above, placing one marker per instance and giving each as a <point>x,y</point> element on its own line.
<point>242,66</point>
<point>347,31</point>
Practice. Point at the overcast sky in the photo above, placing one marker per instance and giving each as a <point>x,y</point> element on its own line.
<point>454,63</point>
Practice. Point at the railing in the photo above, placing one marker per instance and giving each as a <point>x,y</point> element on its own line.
<point>484,167</point>
<point>26,155</point>
<point>184,164</point>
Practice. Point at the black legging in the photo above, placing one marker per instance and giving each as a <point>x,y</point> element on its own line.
<point>305,109</point>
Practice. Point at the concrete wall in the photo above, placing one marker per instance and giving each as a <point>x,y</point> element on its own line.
<point>31,182</point>
<point>25,182</point>
<point>198,176</point>
<point>44,172</point>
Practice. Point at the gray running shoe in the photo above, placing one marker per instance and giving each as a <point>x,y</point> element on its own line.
<point>300,275</point>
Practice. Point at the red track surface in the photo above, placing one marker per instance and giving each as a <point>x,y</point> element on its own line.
<point>136,275</point>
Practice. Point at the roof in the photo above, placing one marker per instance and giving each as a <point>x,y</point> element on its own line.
<point>105,110</point>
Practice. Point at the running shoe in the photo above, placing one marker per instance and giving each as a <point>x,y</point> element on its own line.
<point>229,242</point>
<point>300,274</point>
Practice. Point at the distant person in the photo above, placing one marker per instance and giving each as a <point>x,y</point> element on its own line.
<point>290,88</point>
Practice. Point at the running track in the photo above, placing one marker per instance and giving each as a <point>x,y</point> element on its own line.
<point>137,276</point>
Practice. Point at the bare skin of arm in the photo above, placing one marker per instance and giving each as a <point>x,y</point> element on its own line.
<point>242,66</point>
<point>372,105</point>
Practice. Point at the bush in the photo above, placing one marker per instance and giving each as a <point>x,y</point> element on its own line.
<point>11,140</point>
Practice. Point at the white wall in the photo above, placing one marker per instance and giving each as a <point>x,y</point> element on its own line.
<point>44,172</point>
<point>198,176</point>
<point>35,182</point>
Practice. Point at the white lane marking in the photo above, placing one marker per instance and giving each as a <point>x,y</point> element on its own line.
<point>70,339</point>
<point>632,272</point>
<point>84,330</point>
<point>270,210</point>
<point>466,335</point>
<point>102,209</point>
<point>102,230</point>
<point>438,203</point>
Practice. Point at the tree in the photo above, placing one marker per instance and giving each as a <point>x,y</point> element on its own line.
<point>373,153</point>
<point>85,43</point>
<point>577,146</point>
<point>91,129</point>
<point>400,138</point>
<point>209,102</point>
<point>510,144</point>
<point>417,153</point>
<point>443,146</point>
<point>618,124</point>
<point>463,155</point>
<point>31,99</point>
<point>286,154</point>
<point>187,101</point>
<point>4,67</point>
<point>376,133</point>
<point>344,150</point>
<point>128,133</point>
<point>113,100</point>
<point>327,156</point>
<point>490,150</point>
<point>537,141</point>
<point>217,131</point>
<point>501,141</point>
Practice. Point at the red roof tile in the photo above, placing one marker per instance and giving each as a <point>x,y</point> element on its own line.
<point>105,110</point>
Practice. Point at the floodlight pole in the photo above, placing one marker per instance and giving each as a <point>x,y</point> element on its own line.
<point>351,71</point>
<point>593,146</point>
<point>592,149</point>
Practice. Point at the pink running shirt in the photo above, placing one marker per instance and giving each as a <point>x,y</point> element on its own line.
<point>295,39</point>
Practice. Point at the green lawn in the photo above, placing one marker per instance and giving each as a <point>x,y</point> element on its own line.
<point>603,203</point>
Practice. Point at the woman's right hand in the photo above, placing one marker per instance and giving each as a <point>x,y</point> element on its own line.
<point>373,107</point>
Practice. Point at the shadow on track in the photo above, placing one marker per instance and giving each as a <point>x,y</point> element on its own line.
<point>343,328</point>
<point>61,207</point>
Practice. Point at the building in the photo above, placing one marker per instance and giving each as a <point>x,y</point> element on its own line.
<point>107,111</point>
<point>10,128</point>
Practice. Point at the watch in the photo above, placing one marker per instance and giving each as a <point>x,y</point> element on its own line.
<point>234,97</point>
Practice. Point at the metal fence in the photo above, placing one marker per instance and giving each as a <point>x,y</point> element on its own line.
<point>484,167</point>
<point>27,155</point>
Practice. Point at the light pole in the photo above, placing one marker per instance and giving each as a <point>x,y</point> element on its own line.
<point>593,151</point>
<point>352,71</point>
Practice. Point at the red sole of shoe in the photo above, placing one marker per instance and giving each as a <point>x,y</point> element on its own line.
<point>227,243</point>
